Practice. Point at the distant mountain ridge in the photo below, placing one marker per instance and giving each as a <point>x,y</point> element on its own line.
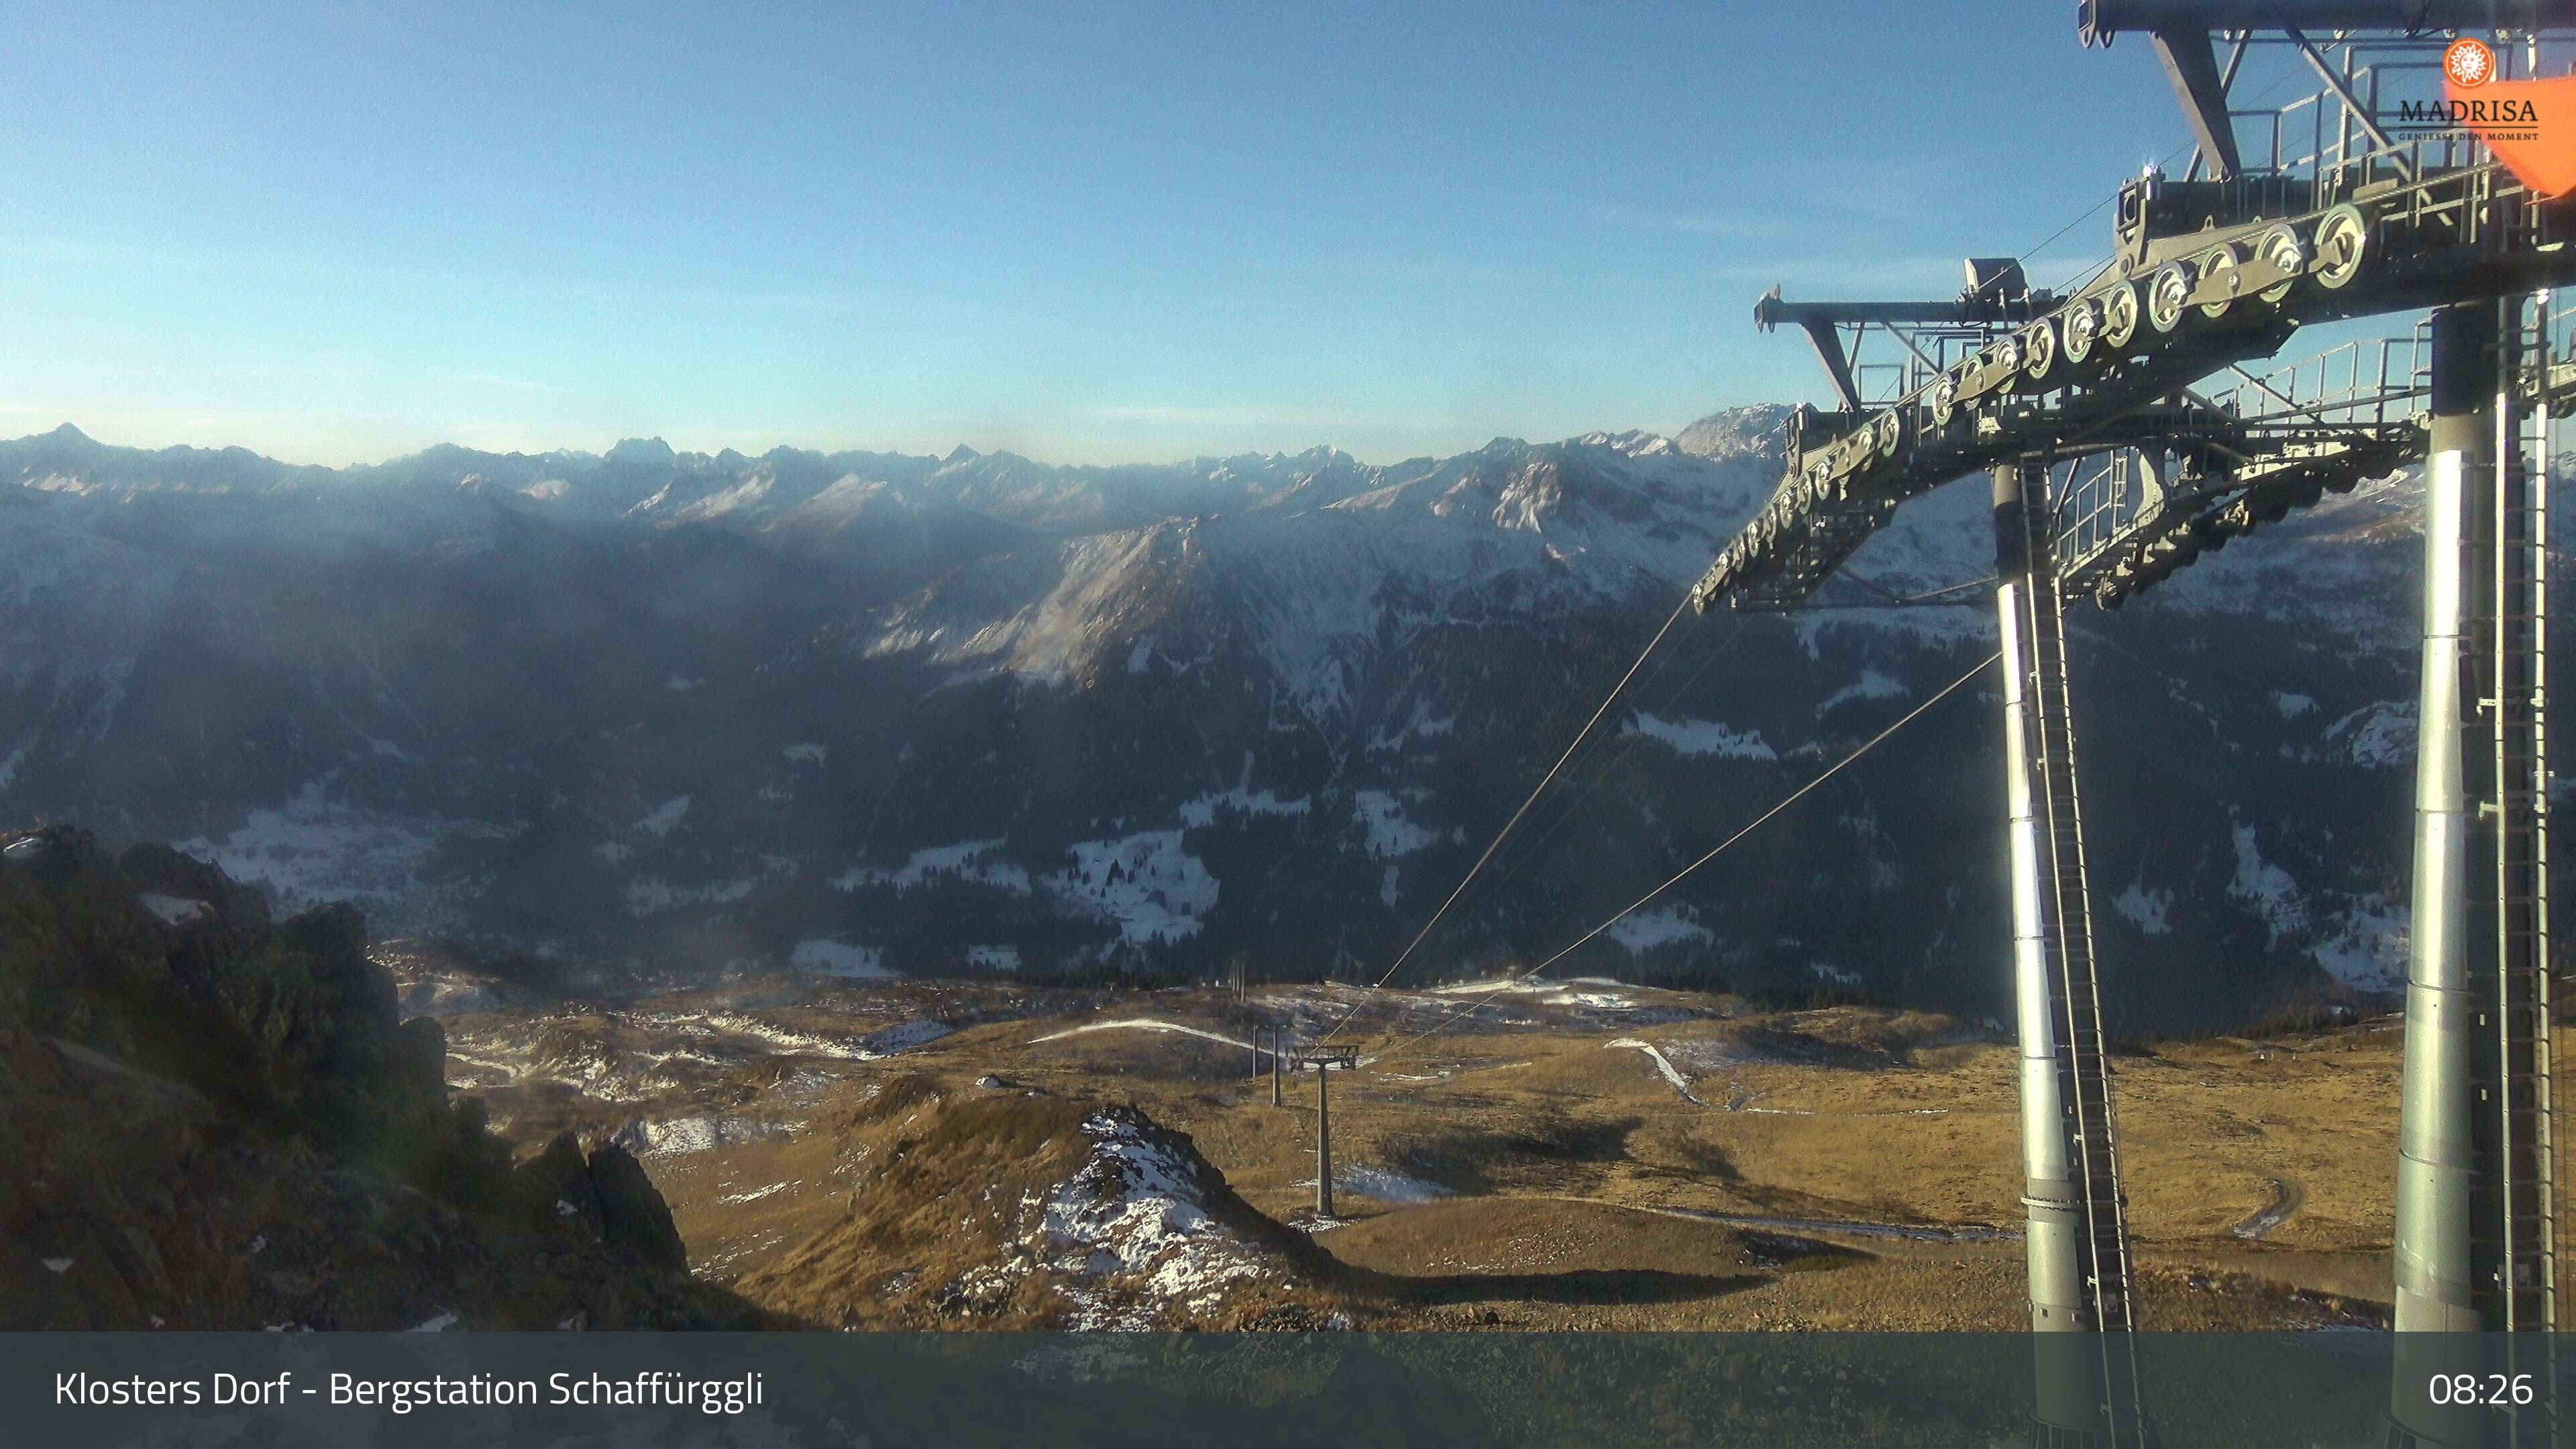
<point>867,711</point>
<point>646,479</point>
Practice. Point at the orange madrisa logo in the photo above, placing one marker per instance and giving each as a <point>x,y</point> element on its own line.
<point>2530,125</point>
<point>2469,63</point>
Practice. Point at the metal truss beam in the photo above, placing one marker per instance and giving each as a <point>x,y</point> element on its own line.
<point>2192,65</point>
<point>1963,311</point>
<point>1828,341</point>
<point>1974,308</point>
<point>2097,21</point>
<point>2167,522</point>
<point>2079,376</point>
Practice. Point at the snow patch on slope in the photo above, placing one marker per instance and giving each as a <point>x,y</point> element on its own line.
<point>1870,685</point>
<point>825,956</point>
<point>2377,736</point>
<point>313,850</point>
<point>2148,910</point>
<point>1643,931</point>
<point>678,1135</point>
<point>665,817</point>
<point>1389,833</point>
<point>2266,890</point>
<point>1703,737</point>
<point>2368,949</point>
<point>1201,813</point>
<point>1137,1212</point>
<point>173,910</point>
<point>965,861</point>
<point>648,895</point>
<point>1145,883</point>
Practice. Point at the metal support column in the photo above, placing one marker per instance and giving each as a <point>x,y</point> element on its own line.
<point>2475,1238</point>
<point>2078,1236</point>
<point>2434,1155</point>
<point>1323,1068</point>
<point>1323,1141</point>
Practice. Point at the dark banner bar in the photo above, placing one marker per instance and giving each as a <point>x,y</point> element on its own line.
<point>1424,1391</point>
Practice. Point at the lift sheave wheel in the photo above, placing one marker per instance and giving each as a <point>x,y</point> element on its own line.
<point>2219,271</point>
<point>2121,309</point>
<point>2038,350</point>
<point>2082,323</point>
<point>2169,296</point>
<point>2343,246</point>
<point>2288,254</point>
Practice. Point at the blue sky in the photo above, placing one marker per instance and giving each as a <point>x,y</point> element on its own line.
<point>1086,232</point>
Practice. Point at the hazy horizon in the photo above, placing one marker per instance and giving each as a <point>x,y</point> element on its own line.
<point>833,449</point>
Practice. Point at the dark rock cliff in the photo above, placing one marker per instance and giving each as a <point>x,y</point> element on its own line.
<point>213,1119</point>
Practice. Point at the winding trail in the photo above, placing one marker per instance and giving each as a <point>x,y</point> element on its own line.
<point>1168,1028</point>
<point>1663,1064</point>
<point>1740,1100</point>
<point>1848,1227</point>
<point>2287,1198</point>
<point>1143,1023</point>
<point>2289,1195</point>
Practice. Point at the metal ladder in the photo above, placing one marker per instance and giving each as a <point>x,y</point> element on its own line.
<point>2518,1228</point>
<point>2083,1066</point>
<point>2512,1120</point>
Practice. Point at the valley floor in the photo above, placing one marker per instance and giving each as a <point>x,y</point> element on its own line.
<point>1565,1155</point>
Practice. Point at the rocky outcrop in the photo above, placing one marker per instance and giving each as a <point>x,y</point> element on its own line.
<point>633,1215</point>
<point>1022,1209</point>
<point>217,1120</point>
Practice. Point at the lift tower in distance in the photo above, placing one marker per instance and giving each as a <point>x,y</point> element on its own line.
<point>1322,1064</point>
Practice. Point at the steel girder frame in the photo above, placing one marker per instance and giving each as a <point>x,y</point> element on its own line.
<point>2465,233</point>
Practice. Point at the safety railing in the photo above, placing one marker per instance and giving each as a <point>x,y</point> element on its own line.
<point>2369,382</point>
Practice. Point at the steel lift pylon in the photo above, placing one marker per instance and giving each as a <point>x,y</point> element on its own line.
<point>2332,211</point>
<point>2078,1241</point>
<point>2476,1190</point>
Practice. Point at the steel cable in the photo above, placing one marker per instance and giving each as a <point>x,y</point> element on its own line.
<point>1500,836</point>
<point>1791,799</point>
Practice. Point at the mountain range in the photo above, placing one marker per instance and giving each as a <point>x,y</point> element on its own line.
<point>866,712</point>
